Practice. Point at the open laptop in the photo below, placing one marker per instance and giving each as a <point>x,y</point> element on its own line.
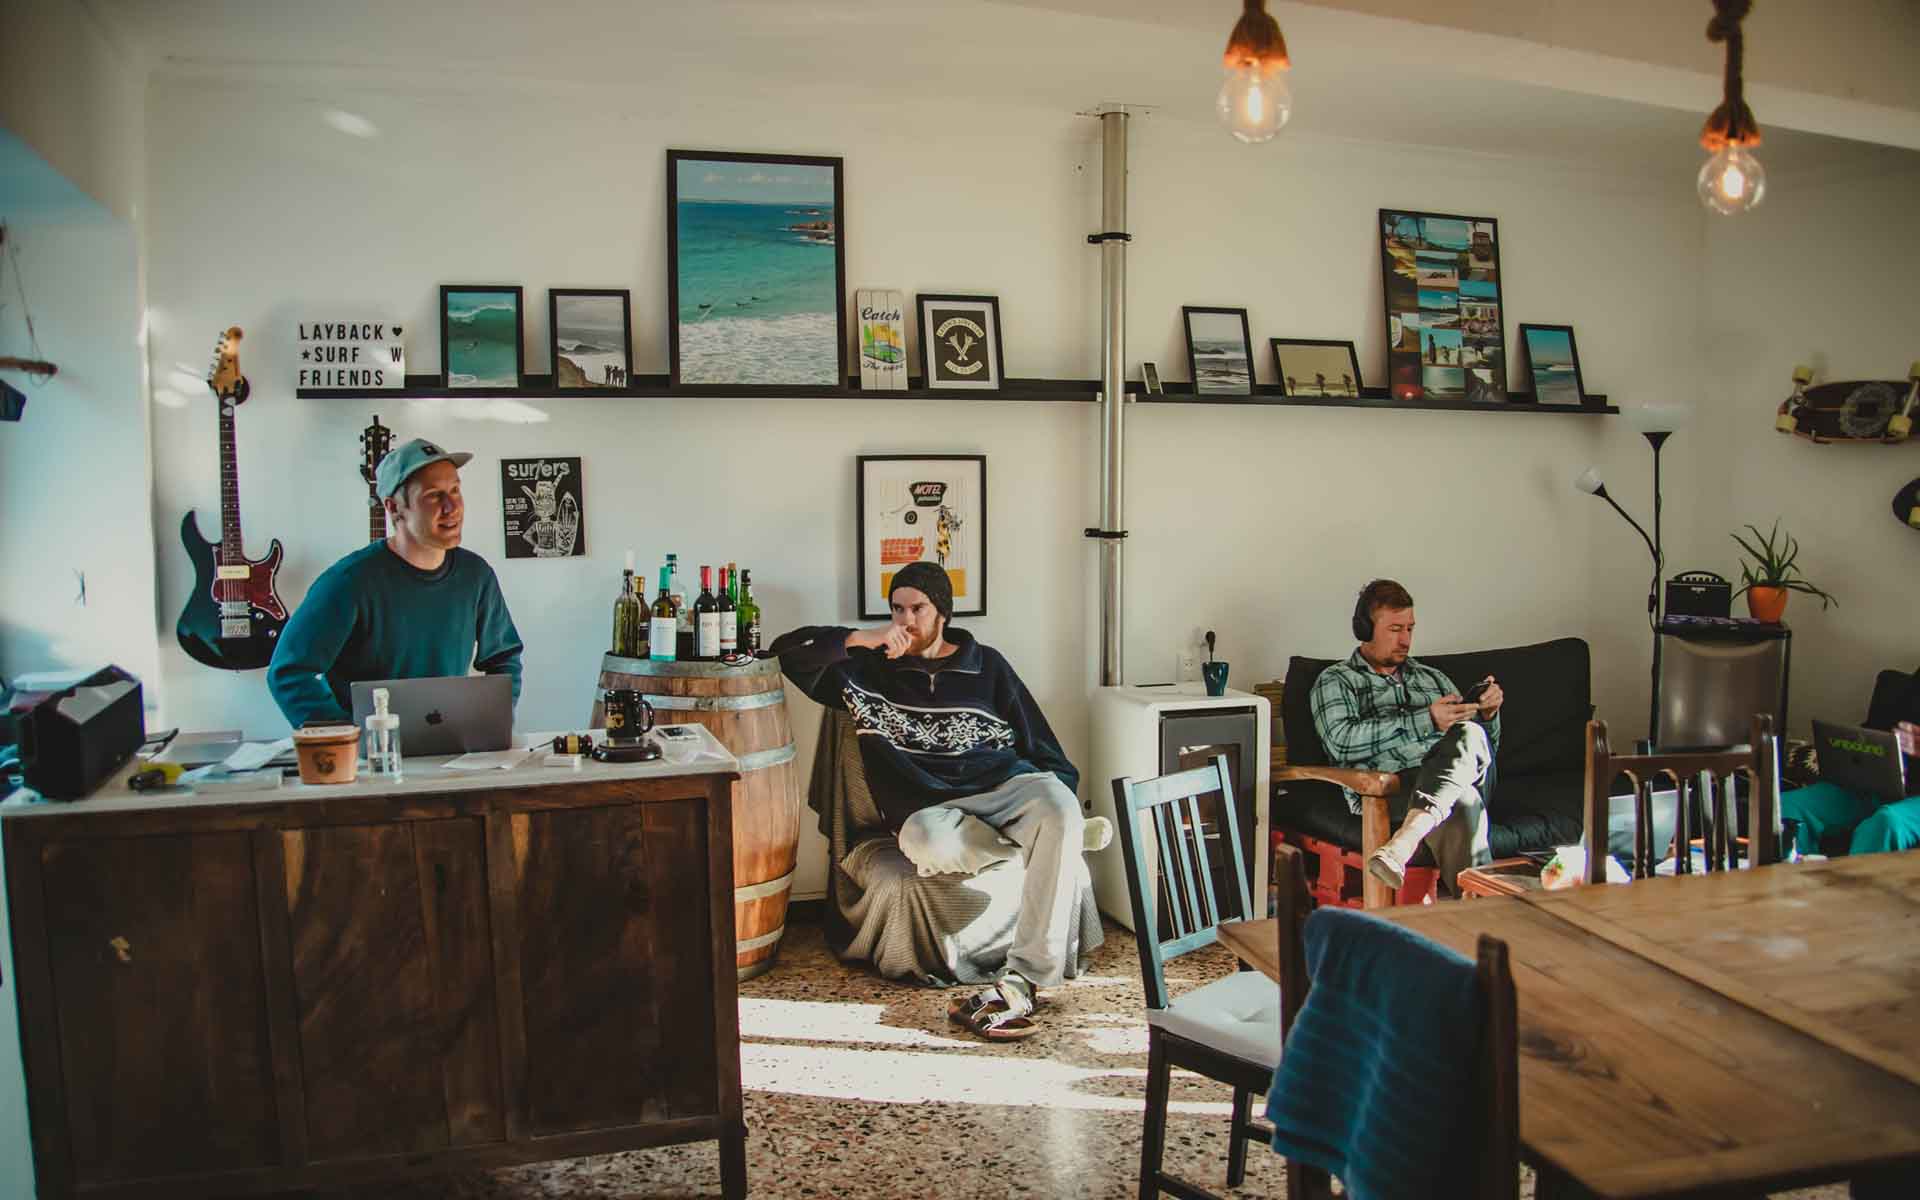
<point>1863,760</point>
<point>449,714</point>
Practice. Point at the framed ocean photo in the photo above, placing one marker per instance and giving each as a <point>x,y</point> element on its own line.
<point>480,335</point>
<point>1316,367</point>
<point>1553,363</point>
<point>1219,351</point>
<point>1446,331</point>
<point>757,272</point>
<point>588,334</point>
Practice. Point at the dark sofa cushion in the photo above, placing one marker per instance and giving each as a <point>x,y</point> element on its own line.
<point>1537,799</point>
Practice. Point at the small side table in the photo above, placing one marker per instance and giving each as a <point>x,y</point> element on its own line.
<point>1502,877</point>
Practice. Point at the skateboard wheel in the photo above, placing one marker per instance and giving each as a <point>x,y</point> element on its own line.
<point>1804,374</point>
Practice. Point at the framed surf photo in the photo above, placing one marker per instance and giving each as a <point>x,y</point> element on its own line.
<point>588,330</point>
<point>480,335</point>
<point>757,273</point>
<point>1553,364</point>
<point>1219,351</point>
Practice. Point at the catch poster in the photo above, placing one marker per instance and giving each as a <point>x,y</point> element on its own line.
<point>542,506</point>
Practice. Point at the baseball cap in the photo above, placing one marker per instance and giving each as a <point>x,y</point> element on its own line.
<point>403,460</point>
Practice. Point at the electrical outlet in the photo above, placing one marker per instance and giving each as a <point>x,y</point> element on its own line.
<point>1189,665</point>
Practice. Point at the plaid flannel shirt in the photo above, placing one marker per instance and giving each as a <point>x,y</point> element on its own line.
<point>1380,722</point>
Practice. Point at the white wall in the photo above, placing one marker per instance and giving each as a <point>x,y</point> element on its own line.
<point>78,538</point>
<point>1259,523</point>
<point>71,90</point>
<point>1822,274</point>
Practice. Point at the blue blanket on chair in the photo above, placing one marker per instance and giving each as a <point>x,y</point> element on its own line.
<point>1375,1070</point>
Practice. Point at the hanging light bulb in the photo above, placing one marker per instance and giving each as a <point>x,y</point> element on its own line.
<point>1255,101</point>
<point>1253,107</point>
<point>1732,179</point>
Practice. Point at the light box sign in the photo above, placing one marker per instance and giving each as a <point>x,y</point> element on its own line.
<point>352,354</point>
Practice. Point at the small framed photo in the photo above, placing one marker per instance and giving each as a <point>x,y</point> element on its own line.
<point>922,508</point>
<point>1219,351</point>
<point>960,344</point>
<point>480,335</point>
<point>1553,364</point>
<point>1150,379</point>
<point>1315,367</point>
<point>588,333</point>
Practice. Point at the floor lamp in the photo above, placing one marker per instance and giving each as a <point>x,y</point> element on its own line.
<point>1656,422</point>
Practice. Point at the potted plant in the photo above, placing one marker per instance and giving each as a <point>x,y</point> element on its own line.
<point>1772,573</point>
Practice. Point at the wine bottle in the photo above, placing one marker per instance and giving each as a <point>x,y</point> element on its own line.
<point>729,614</point>
<point>747,615</point>
<point>629,635</point>
<point>731,581</point>
<point>660,630</point>
<point>706,616</point>
<point>682,613</point>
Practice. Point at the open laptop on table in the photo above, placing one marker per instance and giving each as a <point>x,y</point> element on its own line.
<point>1861,760</point>
<point>449,714</point>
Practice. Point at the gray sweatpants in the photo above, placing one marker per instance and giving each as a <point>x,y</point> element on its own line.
<point>1452,782</point>
<point>1033,816</point>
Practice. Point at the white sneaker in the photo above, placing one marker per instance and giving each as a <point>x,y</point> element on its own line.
<point>1096,835</point>
<point>1386,866</point>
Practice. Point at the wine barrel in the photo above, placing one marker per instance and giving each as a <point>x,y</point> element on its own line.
<point>746,708</point>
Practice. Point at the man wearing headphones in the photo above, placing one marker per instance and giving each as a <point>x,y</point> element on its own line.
<point>1384,710</point>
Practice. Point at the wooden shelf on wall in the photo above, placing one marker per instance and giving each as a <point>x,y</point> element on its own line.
<point>541,387</point>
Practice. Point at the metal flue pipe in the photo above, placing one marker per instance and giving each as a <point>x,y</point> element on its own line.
<point>1111,535</point>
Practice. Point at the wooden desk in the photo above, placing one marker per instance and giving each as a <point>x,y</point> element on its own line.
<point>316,986</point>
<point>1709,1033</point>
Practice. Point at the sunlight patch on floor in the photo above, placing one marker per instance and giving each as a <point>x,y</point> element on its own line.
<point>901,1077</point>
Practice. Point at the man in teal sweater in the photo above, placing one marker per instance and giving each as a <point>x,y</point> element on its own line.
<point>413,606</point>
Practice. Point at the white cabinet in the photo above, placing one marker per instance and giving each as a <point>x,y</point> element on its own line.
<point>1144,731</point>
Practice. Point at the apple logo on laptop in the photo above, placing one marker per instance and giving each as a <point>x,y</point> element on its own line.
<point>434,717</point>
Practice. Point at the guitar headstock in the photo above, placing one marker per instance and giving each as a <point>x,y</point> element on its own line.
<point>375,440</point>
<point>223,375</point>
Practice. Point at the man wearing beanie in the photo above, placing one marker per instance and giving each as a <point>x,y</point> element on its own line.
<point>413,606</point>
<point>965,768</point>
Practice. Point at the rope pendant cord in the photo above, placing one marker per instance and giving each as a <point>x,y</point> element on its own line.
<point>1733,122</point>
<point>1256,40</point>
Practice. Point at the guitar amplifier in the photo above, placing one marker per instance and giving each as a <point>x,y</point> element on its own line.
<point>1699,594</point>
<point>74,739</point>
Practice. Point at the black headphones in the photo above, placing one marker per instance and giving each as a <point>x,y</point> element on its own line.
<point>1362,619</point>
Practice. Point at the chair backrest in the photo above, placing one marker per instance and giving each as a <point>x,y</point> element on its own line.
<point>1178,885</point>
<point>1544,734</point>
<point>1704,779</point>
<point>1494,1104</point>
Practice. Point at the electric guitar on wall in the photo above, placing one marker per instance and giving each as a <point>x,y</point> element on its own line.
<point>375,440</point>
<point>233,617</point>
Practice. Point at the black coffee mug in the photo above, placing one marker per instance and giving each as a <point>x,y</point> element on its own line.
<point>628,714</point>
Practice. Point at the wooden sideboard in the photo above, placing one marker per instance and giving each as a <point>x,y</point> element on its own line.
<point>316,986</point>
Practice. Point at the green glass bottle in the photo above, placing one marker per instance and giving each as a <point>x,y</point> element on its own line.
<point>747,615</point>
<point>629,634</point>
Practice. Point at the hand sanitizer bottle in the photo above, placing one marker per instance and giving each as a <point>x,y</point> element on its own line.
<point>383,739</point>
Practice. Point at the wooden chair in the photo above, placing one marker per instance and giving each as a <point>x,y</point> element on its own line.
<point>1703,779</point>
<point>1376,823</point>
<point>1494,1103</point>
<point>1227,1029</point>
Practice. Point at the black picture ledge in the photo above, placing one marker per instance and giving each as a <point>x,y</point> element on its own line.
<point>540,387</point>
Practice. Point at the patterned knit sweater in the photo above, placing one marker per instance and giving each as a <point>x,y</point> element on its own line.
<point>930,729</point>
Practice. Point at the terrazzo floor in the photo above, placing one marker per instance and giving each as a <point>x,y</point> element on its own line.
<point>858,1088</point>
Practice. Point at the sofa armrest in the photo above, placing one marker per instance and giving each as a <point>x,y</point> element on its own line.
<point>1367,783</point>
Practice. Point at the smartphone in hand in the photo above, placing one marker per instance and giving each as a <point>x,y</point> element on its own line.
<point>1472,695</point>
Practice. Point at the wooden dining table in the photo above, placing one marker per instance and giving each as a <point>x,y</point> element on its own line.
<point>1740,1031</point>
